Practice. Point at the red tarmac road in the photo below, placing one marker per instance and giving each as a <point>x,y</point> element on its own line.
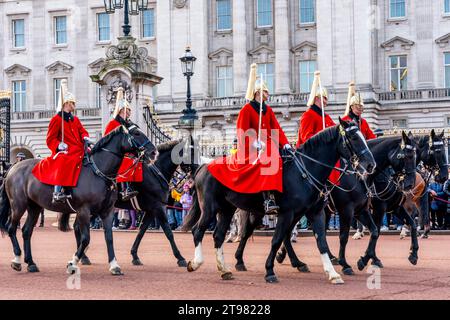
<point>161,278</point>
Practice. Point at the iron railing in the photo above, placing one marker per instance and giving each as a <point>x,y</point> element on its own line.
<point>5,127</point>
<point>154,132</point>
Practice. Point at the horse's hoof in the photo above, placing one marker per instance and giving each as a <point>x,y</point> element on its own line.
<point>280,258</point>
<point>413,259</point>
<point>32,268</point>
<point>334,261</point>
<point>271,279</point>
<point>190,268</point>
<point>241,267</point>
<point>71,269</point>
<point>182,263</point>
<point>377,263</point>
<point>361,264</point>
<point>303,268</point>
<point>227,276</point>
<point>348,271</point>
<point>85,261</point>
<point>137,262</point>
<point>116,271</point>
<point>337,280</point>
<point>16,266</point>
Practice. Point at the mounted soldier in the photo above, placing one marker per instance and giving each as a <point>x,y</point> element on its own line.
<point>131,169</point>
<point>257,165</point>
<point>66,138</point>
<point>354,110</point>
<point>315,119</point>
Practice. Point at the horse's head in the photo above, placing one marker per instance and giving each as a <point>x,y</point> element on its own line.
<point>354,148</point>
<point>432,154</point>
<point>141,144</point>
<point>403,161</point>
<point>188,155</point>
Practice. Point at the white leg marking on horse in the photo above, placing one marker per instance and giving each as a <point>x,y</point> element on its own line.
<point>74,260</point>
<point>333,276</point>
<point>113,264</point>
<point>220,259</point>
<point>198,258</point>
<point>16,259</point>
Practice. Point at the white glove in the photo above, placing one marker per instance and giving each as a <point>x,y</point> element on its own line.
<point>287,146</point>
<point>62,146</point>
<point>88,140</point>
<point>259,145</point>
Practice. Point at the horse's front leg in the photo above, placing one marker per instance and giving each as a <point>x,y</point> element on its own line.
<point>161,216</point>
<point>281,231</point>
<point>114,267</point>
<point>318,221</point>
<point>83,218</point>
<point>413,257</point>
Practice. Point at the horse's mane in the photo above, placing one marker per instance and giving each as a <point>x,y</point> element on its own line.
<point>324,136</point>
<point>106,139</point>
<point>168,145</point>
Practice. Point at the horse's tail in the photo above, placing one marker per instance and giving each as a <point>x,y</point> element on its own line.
<point>63,222</point>
<point>194,214</point>
<point>5,208</point>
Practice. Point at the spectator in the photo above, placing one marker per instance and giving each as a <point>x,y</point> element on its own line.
<point>447,215</point>
<point>133,220</point>
<point>123,218</point>
<point>115,222</point>
<point>235,234</point>
<point>171,219</point>
<point>186,200</point>
<point>334,222</point>
<point>438,208</point>
<point>176,195</point>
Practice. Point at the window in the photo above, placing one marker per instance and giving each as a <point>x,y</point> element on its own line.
<point>447,6</point>
<point>307,69</point>
<point>56,88</point>
<point>148,23</point>
<point>224,81</point>
<point>307,14</point>
<point>61,30</point>
<point>103,27</point>
<point>18,27</point>
<point>98,96</point>
<point>267,70</point>
<point>399,123</point>
<point>263,13</point>
<point>397,8</point>
<point>447,69</point>
<point>399,73</point>
<point>19,96</point>
<point>223,14</point>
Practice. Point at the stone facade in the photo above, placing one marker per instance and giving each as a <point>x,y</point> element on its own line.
<point>349,40</point>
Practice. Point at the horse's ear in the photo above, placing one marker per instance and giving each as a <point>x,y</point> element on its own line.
<point>410,135</point>
<point>432,133</point>
<point>442,134</point>
<point>404,136</point>
<point>343,123</point>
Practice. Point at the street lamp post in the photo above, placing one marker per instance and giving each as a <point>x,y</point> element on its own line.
<point>131,7</point>
<point>187,65</point>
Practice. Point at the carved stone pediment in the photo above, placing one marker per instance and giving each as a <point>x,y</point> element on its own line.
<point>444,40</point>
<point>17,69</point>
<point>397,42</point>
<point>59,66</point>
<point>305,51</point>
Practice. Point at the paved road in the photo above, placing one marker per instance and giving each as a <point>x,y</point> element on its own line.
<point>160,278</point>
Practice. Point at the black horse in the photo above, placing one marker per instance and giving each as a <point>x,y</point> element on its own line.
<point>154,191</point>
<point>431,153</point>
<point>95,192</point>
<point>351,197</point>
<point>304,175</point>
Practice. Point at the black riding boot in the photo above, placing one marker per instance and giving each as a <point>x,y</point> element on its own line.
<point>270,207</point>
<point>58,195</point>
<point>127,192</point>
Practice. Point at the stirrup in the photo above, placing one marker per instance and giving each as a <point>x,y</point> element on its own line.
<point>59,197</point>
<point>127,195</point>
<point>270,207</point>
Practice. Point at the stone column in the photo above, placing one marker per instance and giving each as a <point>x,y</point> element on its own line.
<point>240,69</point>
<point>282,58</point>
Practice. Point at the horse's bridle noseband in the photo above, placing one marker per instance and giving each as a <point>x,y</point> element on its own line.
<point>355,157</point>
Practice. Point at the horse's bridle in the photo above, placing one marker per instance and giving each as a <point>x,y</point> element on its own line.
<point>432,150</point>
<point>355,157</point>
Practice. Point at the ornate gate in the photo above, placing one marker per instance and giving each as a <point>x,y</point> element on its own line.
<point>5,128</point>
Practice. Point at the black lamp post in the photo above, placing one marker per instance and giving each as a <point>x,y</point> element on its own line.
<point>187,65</point>
<point>132,7</point>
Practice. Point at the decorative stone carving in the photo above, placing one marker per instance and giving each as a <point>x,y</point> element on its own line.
<point>17,69</point>
<point>112,90</point>
<point>179,4</point>
<point>59,66</point>
<point>399,41</point>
